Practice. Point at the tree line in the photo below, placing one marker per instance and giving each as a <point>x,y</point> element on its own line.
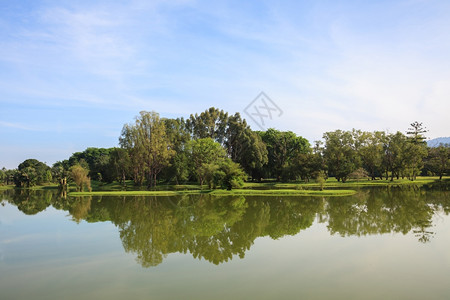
<point>222,151</point>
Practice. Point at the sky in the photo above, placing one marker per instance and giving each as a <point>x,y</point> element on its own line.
<point>72,73</point>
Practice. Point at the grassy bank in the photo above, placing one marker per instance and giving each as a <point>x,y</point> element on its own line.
<point>332,187</point>
<point>332,183</point>
<point>239,192</point>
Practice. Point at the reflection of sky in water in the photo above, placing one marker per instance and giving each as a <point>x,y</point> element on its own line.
<point>48,255</point>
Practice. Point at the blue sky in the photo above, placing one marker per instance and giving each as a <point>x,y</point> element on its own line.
<point>72,73</point>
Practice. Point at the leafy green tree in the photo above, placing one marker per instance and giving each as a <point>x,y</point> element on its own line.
<point>60,171</point>
<point>97,161</point>
<point>2,175</point>
<point>179,136</point>
<point>119,165</point>
<point>416,150</point>
<point>320,179</point>
<point>80,176</point>
<point>340,153</point>
<point>211,123</point>
<point>48,176</point>
<point>9,176</point>
<point>205,154</point>
<point>229,175</point>
<point>242,144</point>
<point>283,148</point>
<point>371,152</point>
<point>129,142</point>
<point>358,174</point>
<point>148,144</point>
<point>438,160</point>
<point>394,158</point>
<point>31,172</point>
<point>245,146</point>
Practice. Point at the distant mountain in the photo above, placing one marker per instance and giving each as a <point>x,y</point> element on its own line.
<point>437,141</point>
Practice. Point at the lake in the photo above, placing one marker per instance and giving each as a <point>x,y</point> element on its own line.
<point>382,243</point>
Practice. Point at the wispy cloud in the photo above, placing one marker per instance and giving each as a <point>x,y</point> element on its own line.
<point>327,64</point>
<point>18,126</point>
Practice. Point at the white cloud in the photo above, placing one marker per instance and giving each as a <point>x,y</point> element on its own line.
<point>18,126</point>
<point>327,67</point>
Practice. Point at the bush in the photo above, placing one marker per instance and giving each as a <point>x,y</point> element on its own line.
<point>358,174</point>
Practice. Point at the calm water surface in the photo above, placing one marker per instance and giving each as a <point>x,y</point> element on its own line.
<point>379,244</point>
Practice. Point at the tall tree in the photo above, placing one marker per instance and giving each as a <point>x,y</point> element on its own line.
<point>148,141</point>
<point>371,152</point>
<point>119,165</point>
<point>2,175</point>
<point>394,154</point>
<point>209,124</point>
<point>340,153</point>
<point>80,176</point>
<point>416,149</point>
<point>245,146</point>
<point>60,171</point>
<point>97,160</point>
<point>31,172</point>
<point>283,148</point>
<point>438,160</point>
<point>178,135</point>
<point>129,142</point>
<point>206,155</point>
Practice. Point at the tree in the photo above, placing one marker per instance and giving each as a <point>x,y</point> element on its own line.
<point>438,160</point>
<point>245,146</point>
<point>371,152</point>
<point>340,153</point>
<point>358,174</point>
<point>2,175</point>
<point>394,149</point>
<point>149,146</point>
<point>31,172</point>
<point>97,161</point>
<point>9,176</point>
<point>128,142</point>
<point>60,171</point>
<point>178,135</point>
<point>242,144</point>
<point>209,124</point>
<point>416,149</point>
<point>205,154</point>
<point>416,133</point>
<point>282,148</point>
<point>320,179</point>
<point>119,164</point>
<point>80,176</point>
<point>229,175</point>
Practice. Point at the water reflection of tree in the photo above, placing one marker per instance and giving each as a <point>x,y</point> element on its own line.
<point>79,208</point>
<point>28,201</point>
<point>378,211</point>
<point>210,228</point>
<point>219,228</point>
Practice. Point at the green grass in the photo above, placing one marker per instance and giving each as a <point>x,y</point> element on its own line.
<point>332,182</point>
<point>250,188</point>
<point>129,186</point>
<point>239,192</point>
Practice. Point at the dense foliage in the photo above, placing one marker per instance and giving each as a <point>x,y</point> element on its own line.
<point>220,150</point>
